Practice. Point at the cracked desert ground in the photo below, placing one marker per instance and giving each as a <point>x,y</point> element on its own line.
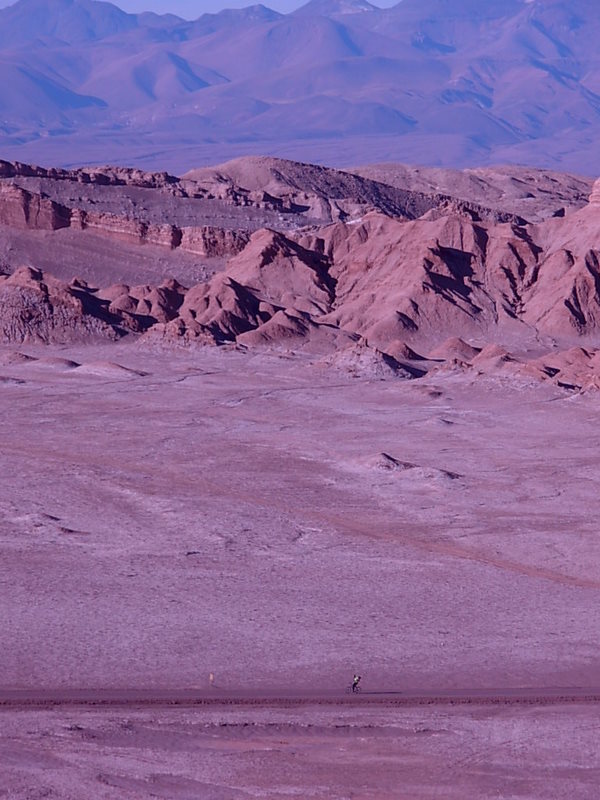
<point>165,515</point>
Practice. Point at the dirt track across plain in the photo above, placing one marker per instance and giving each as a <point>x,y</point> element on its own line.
<point>138,698</point>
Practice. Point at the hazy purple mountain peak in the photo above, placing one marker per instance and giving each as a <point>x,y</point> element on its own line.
<point>253,13</point>
<point>330,8</point>
<point>152,19</point>
<point>71,21</point>
<point>453,82</point>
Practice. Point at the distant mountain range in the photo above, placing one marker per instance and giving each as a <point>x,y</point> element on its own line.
<point>438,82</point>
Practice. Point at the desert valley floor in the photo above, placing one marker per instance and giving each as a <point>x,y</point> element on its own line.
<point>166,514</point>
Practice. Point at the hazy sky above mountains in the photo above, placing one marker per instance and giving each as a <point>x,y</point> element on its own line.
<point>191,9</point>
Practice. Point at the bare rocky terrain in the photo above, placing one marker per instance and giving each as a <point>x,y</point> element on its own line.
<point>301,423</point>
<point>387,274</point>
<point>226,754</point>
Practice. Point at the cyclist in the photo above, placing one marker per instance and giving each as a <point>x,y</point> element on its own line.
<point>355,682</point>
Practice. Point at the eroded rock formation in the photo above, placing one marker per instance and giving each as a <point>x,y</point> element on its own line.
<point>446,288</point>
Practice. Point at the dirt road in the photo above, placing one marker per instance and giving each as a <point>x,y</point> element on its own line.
<point>125,699</point>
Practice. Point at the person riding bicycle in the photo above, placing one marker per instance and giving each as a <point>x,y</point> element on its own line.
<point>355,682</point>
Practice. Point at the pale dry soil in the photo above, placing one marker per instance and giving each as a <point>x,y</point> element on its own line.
<point>222,754</point>
<point>164,515</point>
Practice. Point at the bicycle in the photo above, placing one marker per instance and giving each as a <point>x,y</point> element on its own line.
<point>351,689</point>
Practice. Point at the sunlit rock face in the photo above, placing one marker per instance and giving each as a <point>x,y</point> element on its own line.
<point>595,195</point>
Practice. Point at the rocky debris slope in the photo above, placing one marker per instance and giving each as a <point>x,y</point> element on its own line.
<point>37,307</point>
<point>362,361</point>
<point>534,194</point>
<point>574,368</point>
<point>321,193</point>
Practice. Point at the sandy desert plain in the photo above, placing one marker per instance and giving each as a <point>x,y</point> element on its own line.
<point>283,512</point>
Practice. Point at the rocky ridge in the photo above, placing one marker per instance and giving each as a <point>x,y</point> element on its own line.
<point>324,194</point>
<point>376,295</point>
<point>207,215</point>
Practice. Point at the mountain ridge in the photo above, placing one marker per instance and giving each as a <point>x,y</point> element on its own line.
<point>335,82</point>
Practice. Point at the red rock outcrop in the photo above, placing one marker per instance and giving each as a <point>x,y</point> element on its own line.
<point>24,210</point>
<point>38,308</point>
<point>388,281</point>
<point>104,176</point>
<point>213,242</point>
<point>204,241</point>
<point>282,272</point>
<point>121,227</point>
<point>595,195</point>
